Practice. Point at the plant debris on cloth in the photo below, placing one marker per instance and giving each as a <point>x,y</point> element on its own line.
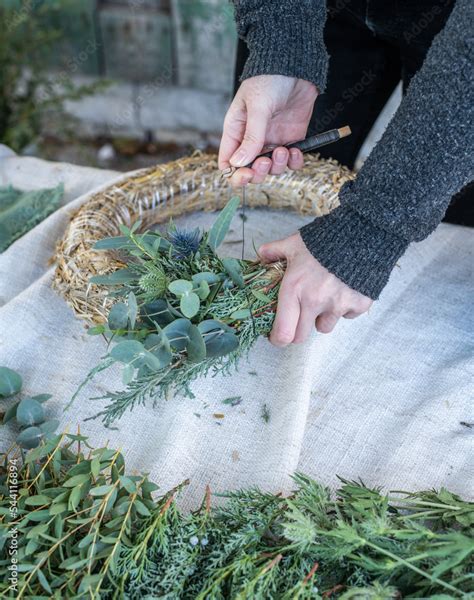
<point>82,527</point>
<point>181,310</point>
<point>21,211</point>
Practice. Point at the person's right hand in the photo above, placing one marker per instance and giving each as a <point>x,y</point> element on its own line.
<point>267,110</point>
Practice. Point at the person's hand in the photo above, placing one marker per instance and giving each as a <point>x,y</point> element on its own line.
<point>309,294</point>
<point>267,110</point>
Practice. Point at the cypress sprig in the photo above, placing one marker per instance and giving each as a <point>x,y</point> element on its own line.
<point>87,529</point>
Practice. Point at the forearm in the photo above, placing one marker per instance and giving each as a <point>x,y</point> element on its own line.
<point>425,156</point>
<point>284,38</point>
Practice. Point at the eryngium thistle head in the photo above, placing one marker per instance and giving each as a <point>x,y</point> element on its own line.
<point>185,242</point>
<point>153,284</point>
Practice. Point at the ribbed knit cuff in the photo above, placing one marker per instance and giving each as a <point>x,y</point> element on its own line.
<point>356,251</point>
<point>287,44</point>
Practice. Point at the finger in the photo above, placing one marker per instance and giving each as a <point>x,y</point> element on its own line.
<point>232,134</point>
<point>280,158</point>
<point>326,322</point>
<point>287,317</point>
<point>241,177</point>
<point>296,160</point>
<point>227,147</point>
<point>261,168</point>
<point>305,323</point>
<point>272,251</point>
<point>254,137</point>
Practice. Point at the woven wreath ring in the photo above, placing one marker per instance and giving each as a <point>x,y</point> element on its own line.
<point>156,194</point>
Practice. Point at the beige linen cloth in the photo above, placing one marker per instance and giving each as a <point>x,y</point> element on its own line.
<point>386,398</point>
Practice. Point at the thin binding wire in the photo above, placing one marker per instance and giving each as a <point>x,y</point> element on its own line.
<point>244,216</point>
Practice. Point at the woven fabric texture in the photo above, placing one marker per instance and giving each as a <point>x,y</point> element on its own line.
<point>386,398</point>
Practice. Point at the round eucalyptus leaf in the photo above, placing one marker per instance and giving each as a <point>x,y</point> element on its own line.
<point>49,427</point>
<point>156,341</point>
<point>30,437</point>
<point>10,413</point>
<point>127,351</point>
<point>152,361</point>
<point>213,325</point>
<point>207,276</point>
<point>220,343</point>
<point>203,290</point>
<point>240,315</point>
<point>157,312</point>
<point>175,312</point>
<point>42,397</point>
<point>196,346</point>
<point>177,333</point>
<point>127,374</point>
<point>143,371</point>
<point>180,287</point>
<point>234,269</point>
<point>189,304</point>
<point>159,346</point>
<point>118,316</point>
<point>164,355</point>
<point>10,382</point>
<point>29,412</point>
<point>132,309</point>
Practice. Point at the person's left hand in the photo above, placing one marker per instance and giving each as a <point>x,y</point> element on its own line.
<point>309,294</point>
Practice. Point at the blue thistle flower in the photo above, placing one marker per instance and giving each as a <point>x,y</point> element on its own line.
<point>185,242</point>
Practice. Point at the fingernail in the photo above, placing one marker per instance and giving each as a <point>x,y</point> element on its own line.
<point>280,156</point>
<point>246,179</point>
<point>264,166</point>
<point>238,159</point>
<point>294,153</point>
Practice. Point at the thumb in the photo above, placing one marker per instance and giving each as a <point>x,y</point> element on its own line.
<point>272,251</point>
<point>254,136</point>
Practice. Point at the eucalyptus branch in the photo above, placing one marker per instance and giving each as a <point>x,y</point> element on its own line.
<point>358,544</point>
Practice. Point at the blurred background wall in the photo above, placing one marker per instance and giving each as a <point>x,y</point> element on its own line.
<point>157,75</point>
<point>119,83</point>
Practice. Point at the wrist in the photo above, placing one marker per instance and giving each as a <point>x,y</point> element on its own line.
<point>288,44</point>
<point>359,253</point>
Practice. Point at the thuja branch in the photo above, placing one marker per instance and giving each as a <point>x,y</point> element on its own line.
<point>117,541</point>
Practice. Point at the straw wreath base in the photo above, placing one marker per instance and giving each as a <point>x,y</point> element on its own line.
<point>155,195</point>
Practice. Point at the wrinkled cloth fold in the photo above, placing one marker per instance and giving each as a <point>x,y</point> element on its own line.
<point>386,398</point>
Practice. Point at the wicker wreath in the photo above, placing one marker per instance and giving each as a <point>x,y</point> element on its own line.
<point>155,195</point>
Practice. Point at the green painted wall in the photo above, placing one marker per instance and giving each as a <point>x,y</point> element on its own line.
<point>189,43</point>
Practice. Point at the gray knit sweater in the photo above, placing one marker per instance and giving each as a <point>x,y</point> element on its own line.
<point>424,157</point>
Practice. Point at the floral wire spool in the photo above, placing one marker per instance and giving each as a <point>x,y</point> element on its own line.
<point>157,194</point>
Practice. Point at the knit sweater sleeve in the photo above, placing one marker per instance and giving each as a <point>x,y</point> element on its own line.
<point>284,38</point>
<point>424,157</point>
